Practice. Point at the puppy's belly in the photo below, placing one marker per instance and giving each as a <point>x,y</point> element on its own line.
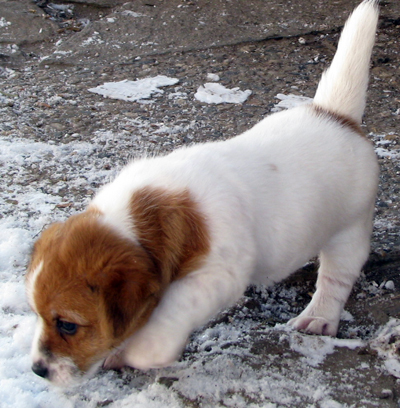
<point>267,275</point>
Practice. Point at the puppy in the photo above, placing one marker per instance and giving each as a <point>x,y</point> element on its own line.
<point>174,239</point>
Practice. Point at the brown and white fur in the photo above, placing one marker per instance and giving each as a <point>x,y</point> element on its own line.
<point>174,239</point>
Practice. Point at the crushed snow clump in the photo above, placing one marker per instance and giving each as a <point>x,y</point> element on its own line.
<point>289,101</point>
<point>4,22</point>
<point>213,77</point>
<point>387,344</point>
<point>316,348</point>
<point>217,93</point>
<point>133,91</point>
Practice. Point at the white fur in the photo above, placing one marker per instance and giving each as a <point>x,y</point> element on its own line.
<point>294,186</point>
<point>343,86</point>
<point>36,355</point>
<point>32,277</point>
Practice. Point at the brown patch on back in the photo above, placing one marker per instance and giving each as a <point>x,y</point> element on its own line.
<point>171,228</point>
<point>343,120</point>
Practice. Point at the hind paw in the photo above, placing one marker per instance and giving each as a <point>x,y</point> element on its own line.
<point>314,325</point>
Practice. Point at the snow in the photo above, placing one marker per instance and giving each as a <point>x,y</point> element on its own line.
<point>390,285</point>
<point>134,90</point>
<point>4,22</point>
<point>132,14</point>
<point>216,93</point>
<point>316,348</point>
<point>213,77</point>
<point>289,101</point>
<point>221,368</point>
<point>387,344</point>
<point>384,147</point>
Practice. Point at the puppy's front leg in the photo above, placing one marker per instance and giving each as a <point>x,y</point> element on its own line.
<point>187,304</point>
<point>340,265</point>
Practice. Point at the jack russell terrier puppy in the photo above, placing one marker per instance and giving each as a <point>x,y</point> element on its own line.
<point>175,239</point>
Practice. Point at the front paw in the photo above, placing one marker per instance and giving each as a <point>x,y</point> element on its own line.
<point>314,325</point>
<point>146,349</point>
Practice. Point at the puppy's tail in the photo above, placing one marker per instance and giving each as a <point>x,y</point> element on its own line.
<point>343,86</point>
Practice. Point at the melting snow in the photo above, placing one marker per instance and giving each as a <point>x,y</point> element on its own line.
<point>387,344</point>
<point>4,22</point>
<point>289,101</point>
<point>217,93</point>
<point>134,90</point>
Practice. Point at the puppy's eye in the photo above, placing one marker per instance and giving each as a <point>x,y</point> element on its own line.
<point>66,327</point>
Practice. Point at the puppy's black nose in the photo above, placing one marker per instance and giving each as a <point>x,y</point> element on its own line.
<point>40,369</point>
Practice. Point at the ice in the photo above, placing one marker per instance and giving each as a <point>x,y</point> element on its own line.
<point>134,90</point>
<point>217,93</point>
<point>290,101</point>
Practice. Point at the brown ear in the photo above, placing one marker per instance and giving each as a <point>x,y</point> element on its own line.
<point>171,229</point>
<point>129,289</point>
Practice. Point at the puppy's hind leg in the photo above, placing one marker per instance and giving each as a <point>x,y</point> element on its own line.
<point>341,261</point>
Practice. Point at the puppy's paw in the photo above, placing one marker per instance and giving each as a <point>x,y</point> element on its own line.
<point>146,350</point>
<point>314,325</point>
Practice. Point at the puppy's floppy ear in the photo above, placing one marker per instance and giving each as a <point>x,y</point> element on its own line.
<point>171,228</point>
<point>130,290</point>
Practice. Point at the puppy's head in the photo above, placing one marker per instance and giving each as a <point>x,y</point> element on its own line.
<point>90,289</point>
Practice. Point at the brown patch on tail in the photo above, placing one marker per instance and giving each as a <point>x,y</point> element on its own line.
<point>172,229</point>
<point>343,120</point>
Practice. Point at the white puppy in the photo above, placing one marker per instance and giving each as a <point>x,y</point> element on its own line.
<point>174,239</point>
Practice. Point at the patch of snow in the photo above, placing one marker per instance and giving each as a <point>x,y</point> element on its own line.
<point>387,344</point>
<point>213,77</point>
<point>346,316</point>
<point>61,7</point>
<point>95,39</point>
<point>289,101</point>
<point>4,22</point>
<point>134,90</point>
<point>7,73</point>
<point>382,152</point>
<point>217,93</point>
<point>384,148</point>
<point>389,285</point>
<point>316,348</point>
<point>178,95</point>
<point>131,13</point>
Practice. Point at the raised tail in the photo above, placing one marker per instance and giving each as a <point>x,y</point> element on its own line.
<point>343,86</point>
